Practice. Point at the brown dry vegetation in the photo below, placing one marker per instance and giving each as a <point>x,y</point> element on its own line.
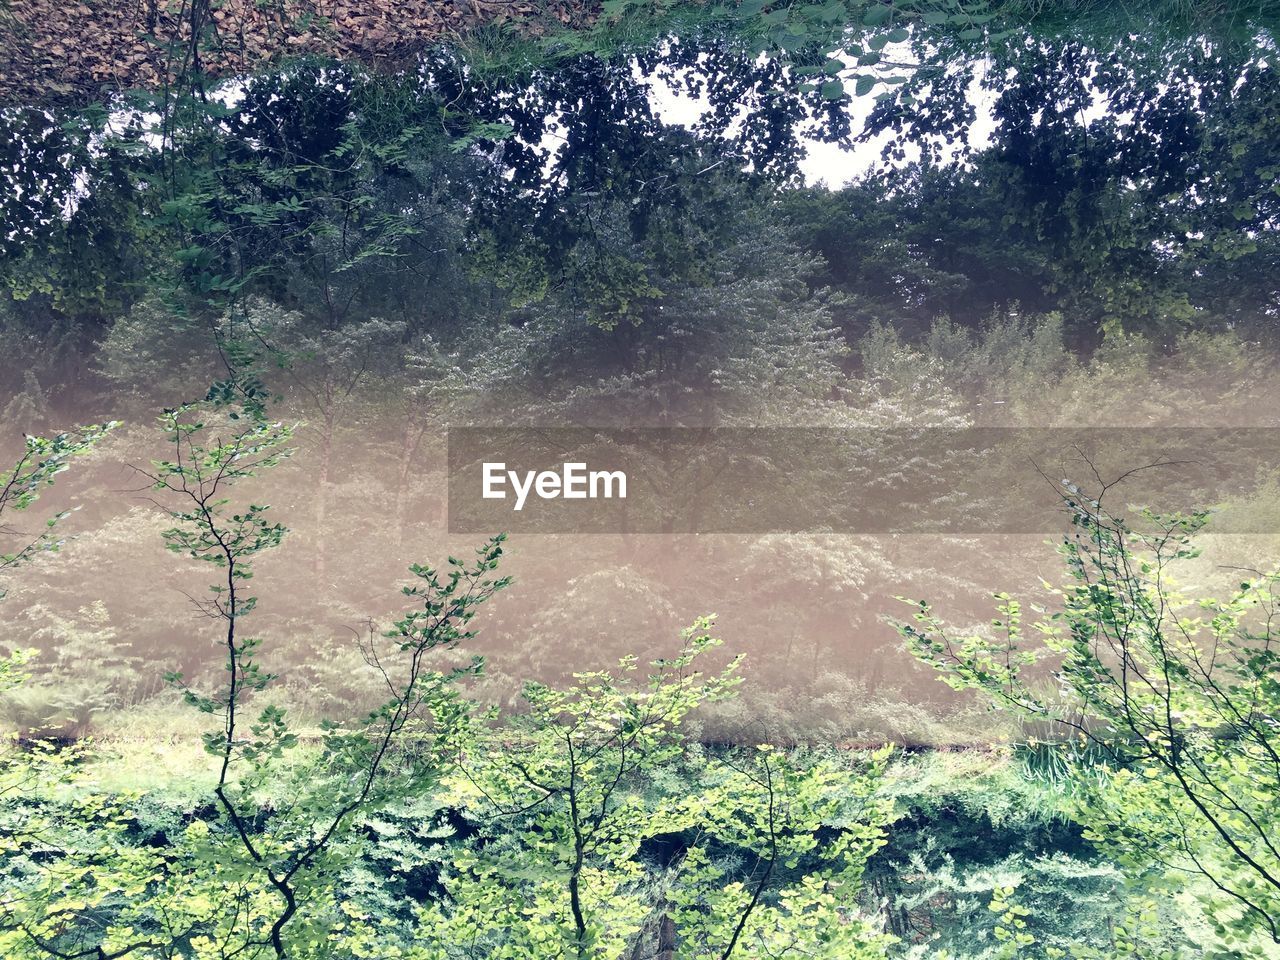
<point>50,49</point>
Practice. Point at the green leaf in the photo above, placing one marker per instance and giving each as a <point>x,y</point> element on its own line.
<point>876,15</point>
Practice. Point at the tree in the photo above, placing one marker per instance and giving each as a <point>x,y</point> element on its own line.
<point>713,324</point>
<point>564,783</point>
<point>42,459</point>
<point>602,831</point>
<point>38,771</point>
<point>1132,181</point>
<point>259,876</point>
<point>36,469</point>
<point>1168,704</point>
<point>804,828</point>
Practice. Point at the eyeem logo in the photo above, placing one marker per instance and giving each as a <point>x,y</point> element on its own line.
<point>573,482</point>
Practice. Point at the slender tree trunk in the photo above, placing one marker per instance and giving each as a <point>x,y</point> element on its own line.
<point>579,858</point>
<point>661,939</point>
<point>667,939</point>
<point>575,904</point>
<point>322,498</point>
<point>410,441</point>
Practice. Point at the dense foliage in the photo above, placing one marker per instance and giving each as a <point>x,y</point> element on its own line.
<point>590,824</point>
<point>1058,215</point>
<point>1171,704</point>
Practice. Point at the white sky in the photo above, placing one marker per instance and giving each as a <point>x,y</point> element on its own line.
<point>826,162</point>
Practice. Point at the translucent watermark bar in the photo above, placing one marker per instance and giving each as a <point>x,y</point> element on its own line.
<point>968,481</point>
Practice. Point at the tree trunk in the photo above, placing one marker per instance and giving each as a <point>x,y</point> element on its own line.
<point>667,939</point>
<point>322,500</point>
<point>410,441</point>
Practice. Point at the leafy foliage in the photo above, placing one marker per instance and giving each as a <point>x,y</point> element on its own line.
<point>1177,695</point>
<point>41,461</point>
<point>261,867</point>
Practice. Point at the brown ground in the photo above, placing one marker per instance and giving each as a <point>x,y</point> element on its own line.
<point>86,49</point>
